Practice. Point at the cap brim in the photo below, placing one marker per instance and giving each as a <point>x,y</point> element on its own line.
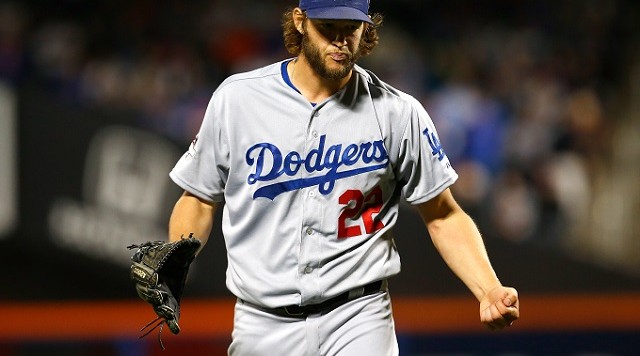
<point>338,13</point>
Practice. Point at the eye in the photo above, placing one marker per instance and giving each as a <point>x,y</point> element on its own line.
<point>326,25</point>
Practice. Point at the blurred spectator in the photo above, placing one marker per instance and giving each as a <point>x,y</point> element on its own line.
<point>515,211</point>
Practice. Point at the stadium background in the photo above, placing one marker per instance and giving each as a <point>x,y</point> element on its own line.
<point>537,104</point>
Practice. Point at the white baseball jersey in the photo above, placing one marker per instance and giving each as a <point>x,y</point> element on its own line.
<point>311,191</point>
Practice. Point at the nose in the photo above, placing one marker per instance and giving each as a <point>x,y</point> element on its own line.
<point>339,40</point>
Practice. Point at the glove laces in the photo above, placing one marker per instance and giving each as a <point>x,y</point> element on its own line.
<point>151,326</point>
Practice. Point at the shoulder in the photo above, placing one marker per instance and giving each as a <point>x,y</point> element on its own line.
<point>381,90</point>
<point>253,77</point>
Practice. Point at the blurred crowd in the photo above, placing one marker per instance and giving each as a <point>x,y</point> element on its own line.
<point>534,100</point>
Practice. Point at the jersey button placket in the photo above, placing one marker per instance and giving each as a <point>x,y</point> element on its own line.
<point>309,244</point>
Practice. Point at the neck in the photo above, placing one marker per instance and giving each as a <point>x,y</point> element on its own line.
<point>312,86</point>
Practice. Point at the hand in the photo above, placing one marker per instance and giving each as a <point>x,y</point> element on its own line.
<point>500,307</point>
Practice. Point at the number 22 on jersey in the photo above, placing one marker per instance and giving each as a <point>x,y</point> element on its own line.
<point>360,208</point>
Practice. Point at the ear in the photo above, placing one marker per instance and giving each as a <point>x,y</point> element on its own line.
<point>298,19</point>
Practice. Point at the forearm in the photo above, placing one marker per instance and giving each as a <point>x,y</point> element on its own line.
<point>460,244</point>
<point>191,215</point>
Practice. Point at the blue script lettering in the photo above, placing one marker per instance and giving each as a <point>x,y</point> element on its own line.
<point>269,164</point>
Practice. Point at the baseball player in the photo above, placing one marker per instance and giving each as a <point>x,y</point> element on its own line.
<point>311,157</point>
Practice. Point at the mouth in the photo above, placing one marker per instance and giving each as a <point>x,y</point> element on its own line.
<point>338,56</point>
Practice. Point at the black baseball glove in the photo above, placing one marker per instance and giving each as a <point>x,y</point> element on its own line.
<point>159,270</point>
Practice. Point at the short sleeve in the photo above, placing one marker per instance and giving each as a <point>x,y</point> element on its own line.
<point>203,169</point>
<point>423,168</point>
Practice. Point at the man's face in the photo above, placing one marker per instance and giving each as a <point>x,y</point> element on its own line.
<point>332,46</point>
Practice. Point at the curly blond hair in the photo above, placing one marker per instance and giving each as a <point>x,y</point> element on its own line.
<point>293,38</point>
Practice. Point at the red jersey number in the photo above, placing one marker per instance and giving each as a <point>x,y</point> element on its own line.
<point>362,208</point>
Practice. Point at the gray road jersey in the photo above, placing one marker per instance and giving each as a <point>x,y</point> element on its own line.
<point>311,192</point>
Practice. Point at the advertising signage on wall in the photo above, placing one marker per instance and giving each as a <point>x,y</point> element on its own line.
<point>124,193</point>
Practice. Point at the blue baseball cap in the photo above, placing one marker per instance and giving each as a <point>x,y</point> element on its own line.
<point>337,9</point>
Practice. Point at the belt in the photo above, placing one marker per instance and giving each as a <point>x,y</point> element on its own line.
<point>302,311</point>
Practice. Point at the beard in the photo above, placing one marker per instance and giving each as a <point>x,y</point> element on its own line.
<point>317,61</point>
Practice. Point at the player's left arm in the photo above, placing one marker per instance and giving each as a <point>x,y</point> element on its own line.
<point>457,239</point>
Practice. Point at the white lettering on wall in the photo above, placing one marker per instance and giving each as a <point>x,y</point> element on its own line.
<point>125,189</point>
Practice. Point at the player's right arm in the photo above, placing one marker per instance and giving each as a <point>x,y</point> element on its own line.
<point>191,215</point>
